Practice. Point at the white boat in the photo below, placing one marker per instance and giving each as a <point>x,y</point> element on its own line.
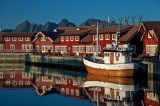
<point>117,61</point>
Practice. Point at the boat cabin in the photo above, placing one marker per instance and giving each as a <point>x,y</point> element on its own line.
<point>120,54</point>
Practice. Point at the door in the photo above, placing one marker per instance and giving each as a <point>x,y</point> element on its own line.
<point>111,57</point>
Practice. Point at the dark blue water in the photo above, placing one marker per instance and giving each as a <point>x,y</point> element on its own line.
<point>29,97</point>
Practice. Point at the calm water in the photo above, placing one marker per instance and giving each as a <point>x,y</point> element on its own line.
<point>39,86</point>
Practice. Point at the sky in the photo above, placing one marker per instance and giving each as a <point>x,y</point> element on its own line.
<point>14,12</point>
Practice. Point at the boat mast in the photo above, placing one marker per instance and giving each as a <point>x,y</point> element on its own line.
<point>97,42</point>
<point>117,35</point>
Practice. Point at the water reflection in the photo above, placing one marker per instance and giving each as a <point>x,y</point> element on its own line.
<point>99,90</point>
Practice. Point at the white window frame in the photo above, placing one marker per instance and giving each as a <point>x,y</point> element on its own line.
<point>71,38</point>
<point>27,38</point>
<point>1,74</point>
<point>107,36</point>
<point>12,47</point>
<point>67,38</point>
<point>62,38</point>
<point>42,38</point>
<point>149,35</point>
<point>20,38</point>
<point>7,38</point>
<point>14,39</point>
<point>113,36</point>
<point>101,37</point>
<point>1,46</point>
<point>45,48</point>
<point>12,74</point>
<point>76,38</point>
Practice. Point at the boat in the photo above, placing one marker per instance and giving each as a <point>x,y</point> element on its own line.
<point>117,61</point>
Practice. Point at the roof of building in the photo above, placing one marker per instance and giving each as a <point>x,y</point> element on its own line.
<point>111,30</point>
<point>74,30</point>
<point>129,34</point>
<point>52,35</point>
<point>104,30</point>
<point>86,39</point>
<point>1,37</point>
<point>19,34</point>
<point>152,25</point>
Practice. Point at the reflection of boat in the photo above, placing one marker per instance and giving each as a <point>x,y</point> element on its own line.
<point>110,89</point>
<point>117,61</point>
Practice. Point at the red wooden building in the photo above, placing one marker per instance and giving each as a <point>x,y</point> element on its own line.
<point>43,42</point>
<point>150,37</point>
<point>133,37</point>
<point>105,36</point>
<point>16,41</point>
<point>68,41</point>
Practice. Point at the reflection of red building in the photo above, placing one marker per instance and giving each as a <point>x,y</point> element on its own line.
<point>69,87</point>
<point>151,98</point>
<point>16,78</point>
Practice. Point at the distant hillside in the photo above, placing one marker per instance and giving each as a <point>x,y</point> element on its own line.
<point>26,26</point>
<point>91,22</point>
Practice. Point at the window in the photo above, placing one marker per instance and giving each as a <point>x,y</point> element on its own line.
<point>1,47</point>
<point>43,38</point>
<point>67,38</point>
<point>12,47</point>
<point>107,36</point>
<point>14,39</point>
<point>1,74</point>
<point>20,82</point>
<point>7,38</point>
<point>71,38</point>
<point>113,36</point>
<point>101,37</point>
<point>152,50</point>
<point>149,36</point>
<point>76,38</point>
<point>27,39</point>
<point>20,38</point>
<point>62,38</point>
<point>46,48</point>
<point>12,74</point>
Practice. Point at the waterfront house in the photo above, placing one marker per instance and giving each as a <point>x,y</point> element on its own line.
<point>105,36</point>
<point>132,37</point>
<point>43,42</point>
<point>68,40</point>
<point>150,37</point>
<point>16,41</point>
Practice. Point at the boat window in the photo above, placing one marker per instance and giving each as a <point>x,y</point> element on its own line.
<point>107,54</point>
<point>117,54</point>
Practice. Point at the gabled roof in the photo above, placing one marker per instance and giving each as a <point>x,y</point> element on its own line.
<point>130,34</point>
<point>51,35</point>
<point>152,25</point>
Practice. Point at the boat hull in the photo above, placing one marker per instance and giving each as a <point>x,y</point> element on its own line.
<point>117,70</point>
